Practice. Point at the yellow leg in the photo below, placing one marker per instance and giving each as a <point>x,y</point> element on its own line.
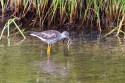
<point>48,50</point>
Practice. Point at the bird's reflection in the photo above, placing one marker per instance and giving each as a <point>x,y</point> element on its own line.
<point>50,67</point>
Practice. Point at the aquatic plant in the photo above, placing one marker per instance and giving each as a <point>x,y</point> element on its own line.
<point>100,15</point>
<point>7,26</point>
<point>3,9</point>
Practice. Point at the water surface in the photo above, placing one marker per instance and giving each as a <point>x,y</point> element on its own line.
<point>85,62</point>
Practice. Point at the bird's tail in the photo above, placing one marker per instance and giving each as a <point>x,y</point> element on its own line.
<point>34,33</point>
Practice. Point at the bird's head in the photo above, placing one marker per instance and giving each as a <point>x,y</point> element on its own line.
<point>65,34</point>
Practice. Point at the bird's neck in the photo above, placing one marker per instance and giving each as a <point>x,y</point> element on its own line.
<point>62,36</point>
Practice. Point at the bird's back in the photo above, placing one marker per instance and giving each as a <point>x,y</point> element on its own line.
<point>49,36</point>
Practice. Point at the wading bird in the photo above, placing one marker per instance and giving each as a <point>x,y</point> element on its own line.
<point>51,37</point>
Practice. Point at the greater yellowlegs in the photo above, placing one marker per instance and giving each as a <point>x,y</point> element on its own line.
<point>51,37</point>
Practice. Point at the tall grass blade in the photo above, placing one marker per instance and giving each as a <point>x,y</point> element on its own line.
<point>7,26</point>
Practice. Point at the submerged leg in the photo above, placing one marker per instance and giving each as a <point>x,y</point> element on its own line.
<point>48,51</point>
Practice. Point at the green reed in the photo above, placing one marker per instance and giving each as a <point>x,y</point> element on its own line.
<point>96,8</point>
<point>104,15</point>
<point>115,12</point>
<point>62,7</point>
<point>7,26</point>
<point>4,5</point>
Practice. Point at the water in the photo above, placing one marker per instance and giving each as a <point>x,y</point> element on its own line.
<point>85,62</point>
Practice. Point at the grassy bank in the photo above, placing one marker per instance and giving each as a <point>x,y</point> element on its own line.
<point>101,15</point>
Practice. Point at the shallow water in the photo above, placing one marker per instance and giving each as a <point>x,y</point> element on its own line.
<point>85,62</point>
